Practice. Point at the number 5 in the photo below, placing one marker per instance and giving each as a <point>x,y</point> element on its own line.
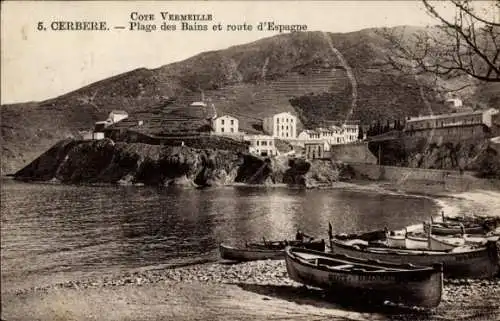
<point>40,26</point>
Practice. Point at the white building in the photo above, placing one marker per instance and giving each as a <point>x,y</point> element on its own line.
<point>351,133</point>
<point>117,115</point>
<point>97,135</point>
<point>198,104</point>
<point>225,125</point>
<point>261,145</point>
<point>454,102</point>
<point>333,135</point>
<point>282,125</point>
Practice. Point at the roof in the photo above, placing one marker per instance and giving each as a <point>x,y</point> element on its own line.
<point>308,131</point>
<point>258,137</point>
<point>315,142</point>
<point>442,116</point>
<point>226,115</point>
<point>198,103</point>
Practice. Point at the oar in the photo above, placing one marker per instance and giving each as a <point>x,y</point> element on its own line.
<point>462,228</point>
<point>330,235</point>
<point>429,237</point>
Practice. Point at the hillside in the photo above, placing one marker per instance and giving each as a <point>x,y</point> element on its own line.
<point>299,72</point>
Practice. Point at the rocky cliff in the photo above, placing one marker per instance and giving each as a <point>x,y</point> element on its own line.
<point>479,155</point>
<point>104,161</point>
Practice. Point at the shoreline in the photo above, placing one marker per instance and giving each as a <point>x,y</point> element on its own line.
<point>258,290</point>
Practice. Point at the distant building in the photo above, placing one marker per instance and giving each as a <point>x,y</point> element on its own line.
<point>86,135</point>
<point>97,135</point>
<point>261,145</point>
<point>101,125</point>
<point>308,134</point>
<point>282,125</point>
<point>453,126</point>
<point>117,115</point>
<point>351,132</point>
<point>454,103</point>
<point>333,135</point>
<point>198,104</point>
<point>315,149</point>
<point>225,125</point>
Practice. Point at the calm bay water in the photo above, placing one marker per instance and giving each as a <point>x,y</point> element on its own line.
<point>52,233</point>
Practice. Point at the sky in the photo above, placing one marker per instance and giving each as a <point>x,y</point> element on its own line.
<point>37,65</point>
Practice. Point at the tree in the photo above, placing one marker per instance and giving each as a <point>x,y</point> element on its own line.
<point>466,45</point>
<point>360,133</point>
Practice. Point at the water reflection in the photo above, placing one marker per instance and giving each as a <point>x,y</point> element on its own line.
<point>48,229</point>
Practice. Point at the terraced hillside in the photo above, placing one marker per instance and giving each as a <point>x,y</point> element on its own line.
<point>311,74</point>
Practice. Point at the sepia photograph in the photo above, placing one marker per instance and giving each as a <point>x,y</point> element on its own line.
<point>250,160</point>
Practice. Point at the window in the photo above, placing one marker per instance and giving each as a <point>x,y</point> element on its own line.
<point>232,121</point>
<point>264,143</point>
<point>232,130</point>
<point>257,143</point>
<point>222,130</point>
<point>277,120</point>
<point>222,121</point>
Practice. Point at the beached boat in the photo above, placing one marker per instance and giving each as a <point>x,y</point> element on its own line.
<point>442,228</point>
<point>404,284</point>
<point>267,250</point>
<point>492,221</point>
<point>458,262</point>
<point>396,238</point>
<point>421,241</point>
<point>445,242</point>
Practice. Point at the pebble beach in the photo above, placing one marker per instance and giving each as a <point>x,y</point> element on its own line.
<point>258,290</point>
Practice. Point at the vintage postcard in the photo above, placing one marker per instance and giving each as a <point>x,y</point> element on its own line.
<point>250,160</point>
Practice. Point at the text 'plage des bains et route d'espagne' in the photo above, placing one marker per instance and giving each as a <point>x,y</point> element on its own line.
<point>168,21</point>
<point>200,22</point>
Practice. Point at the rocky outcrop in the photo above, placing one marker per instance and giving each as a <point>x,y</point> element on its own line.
<point>479,155</point>
<point>105,161</point>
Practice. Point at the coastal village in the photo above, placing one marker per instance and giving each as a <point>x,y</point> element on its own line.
<point>280,134</point>
<point>350,172</point>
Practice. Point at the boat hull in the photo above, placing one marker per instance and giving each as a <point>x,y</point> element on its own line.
<point>240,254</point>
<point>422,288</point>
<point>260,251</point>
<point>474,263</point>
<point>439,229</point>
<point>396,241</point>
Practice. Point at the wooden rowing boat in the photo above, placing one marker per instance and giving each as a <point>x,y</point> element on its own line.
<point>442,228</point>
<point>420,241</point>
<point>445,242</point>
<point>343,275</point>
<point>491,221</point>
<point>459,262</point>
<point>268,250</point>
